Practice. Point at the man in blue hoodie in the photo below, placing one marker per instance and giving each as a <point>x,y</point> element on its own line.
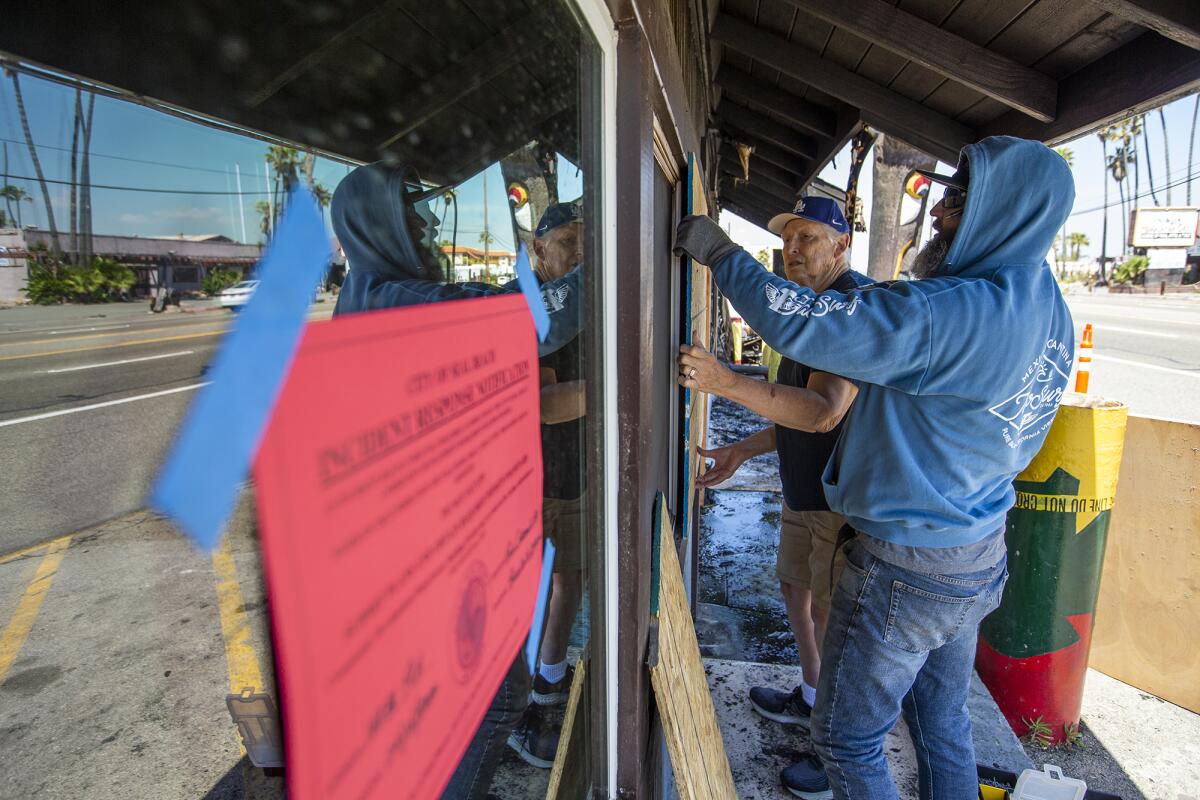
<point>959,374</point>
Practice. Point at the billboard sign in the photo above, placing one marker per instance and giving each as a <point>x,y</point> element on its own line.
<point>1163,227</point>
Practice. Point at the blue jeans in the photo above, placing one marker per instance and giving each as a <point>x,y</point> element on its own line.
<point>473,777</point>
<point>898,641</point>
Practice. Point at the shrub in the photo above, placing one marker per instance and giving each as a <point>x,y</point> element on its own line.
<point>1130,269</point>
<point>104,280</point>
<point>217,280</point>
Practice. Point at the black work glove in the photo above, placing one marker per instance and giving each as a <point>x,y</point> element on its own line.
<point>702,239</point>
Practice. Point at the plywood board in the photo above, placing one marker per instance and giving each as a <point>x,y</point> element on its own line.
<point>698,758</point>
<point>568,775</point>
<point>1148,611</point>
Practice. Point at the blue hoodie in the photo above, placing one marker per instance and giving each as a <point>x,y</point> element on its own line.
<point>386,268</point>
<point>959,374</point>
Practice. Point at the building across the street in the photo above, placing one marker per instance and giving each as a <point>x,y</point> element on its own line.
<point>179,262</point>
<point>469,263</point>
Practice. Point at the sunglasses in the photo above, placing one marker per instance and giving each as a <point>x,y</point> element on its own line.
<point>954,198</point>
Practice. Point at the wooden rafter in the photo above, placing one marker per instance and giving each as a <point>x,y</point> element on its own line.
<point>816,119</point>
<point>761,166</point>
<point>1174,19</point>
<point>751,215</point>
<point>766,151</point>
<point>762,198</point>
<point>1148,72</point>
<point>945,53</point>
<point>807,66</point>
<point>776,132</point>
<point>757,179</point>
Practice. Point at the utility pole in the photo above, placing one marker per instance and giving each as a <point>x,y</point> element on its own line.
<point>270,201</point>
<point>237,170</point>
<point>487,271</point>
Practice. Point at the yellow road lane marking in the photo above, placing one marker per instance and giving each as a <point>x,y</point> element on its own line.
<point>27,609</point>
<point>240,657</point>
<point>111,334</point>
<point>111,346</point>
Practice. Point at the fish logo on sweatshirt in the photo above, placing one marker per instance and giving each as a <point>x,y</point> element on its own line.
<point>787,302</point>
<point>556,298</point>
<point>1042,385</point>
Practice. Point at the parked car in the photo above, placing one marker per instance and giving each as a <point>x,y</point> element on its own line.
<point>237,295</point>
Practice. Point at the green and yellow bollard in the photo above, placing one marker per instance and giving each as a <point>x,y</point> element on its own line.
<point>1033,650</point>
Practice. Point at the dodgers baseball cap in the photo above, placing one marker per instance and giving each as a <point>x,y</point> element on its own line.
<point>817,209</point>
<point>557,215</point>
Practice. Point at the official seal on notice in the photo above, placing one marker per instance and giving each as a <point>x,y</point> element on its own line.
<point>471,623</point>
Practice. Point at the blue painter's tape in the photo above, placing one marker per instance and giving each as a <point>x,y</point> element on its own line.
<point>199,483</point>
<point>533,295</point>
<point>539,610</point>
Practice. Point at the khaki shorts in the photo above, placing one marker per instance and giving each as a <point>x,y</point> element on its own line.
<point>562,521</point>
<point>807,540</point>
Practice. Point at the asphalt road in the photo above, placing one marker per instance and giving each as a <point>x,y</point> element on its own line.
<point>1146,351</point>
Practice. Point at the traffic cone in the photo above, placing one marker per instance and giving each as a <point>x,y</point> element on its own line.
<point>1085,360</point>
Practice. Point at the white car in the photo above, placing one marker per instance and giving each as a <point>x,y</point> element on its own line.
<point>237,295</point>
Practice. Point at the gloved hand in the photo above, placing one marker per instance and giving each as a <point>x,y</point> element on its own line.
<point>701,238</point>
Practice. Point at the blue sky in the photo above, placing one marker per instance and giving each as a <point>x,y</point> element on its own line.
<point>136,146</point>
<point>1087,216</point>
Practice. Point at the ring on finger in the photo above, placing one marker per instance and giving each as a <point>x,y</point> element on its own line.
<point>691,373</point>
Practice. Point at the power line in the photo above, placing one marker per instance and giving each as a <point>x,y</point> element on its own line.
<point>1143,196</point>
<point>136,188</point>
<point>21,142</point>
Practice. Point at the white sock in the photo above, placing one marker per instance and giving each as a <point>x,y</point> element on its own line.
<point>808,693</point>
<point>553,672</point>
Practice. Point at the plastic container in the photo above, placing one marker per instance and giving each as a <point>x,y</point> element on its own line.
<point>1049,784</point>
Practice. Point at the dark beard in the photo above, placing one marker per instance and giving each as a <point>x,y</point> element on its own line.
<point>929,260</point>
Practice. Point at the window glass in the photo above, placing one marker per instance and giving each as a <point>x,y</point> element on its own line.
<point>131,238</point>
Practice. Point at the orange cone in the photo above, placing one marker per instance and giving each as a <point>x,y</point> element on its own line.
<point>1085,360</point>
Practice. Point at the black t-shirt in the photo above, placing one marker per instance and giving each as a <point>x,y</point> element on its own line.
<point>562,444</point>
<point>802,455</point>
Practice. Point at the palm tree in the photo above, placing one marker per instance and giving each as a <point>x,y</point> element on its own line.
<point>1068,155</point>
<point>14,194</point>
<point>1192,146</point>
<point>55,246</point>
<point>1103,134</point>
<point>1078,241</point>
<point>1162,118</point>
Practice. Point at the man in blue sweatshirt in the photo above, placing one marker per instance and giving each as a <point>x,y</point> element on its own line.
<point>959,374</point>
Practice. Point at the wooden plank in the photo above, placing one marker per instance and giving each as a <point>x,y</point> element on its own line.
<point>694,743</point>
<point>753,217</point>
<point>1175,19</point>
<point>782,135</point>
<point>809,67</point>
<point>1148,72</point>
<point>943,52</point>
<point>1149,610</point>
<point>816,119</point>
<point>568,775</point>
<point>759,196</point>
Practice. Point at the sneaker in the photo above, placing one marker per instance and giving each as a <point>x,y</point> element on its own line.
<point>546,693</point>
<point>535,738</point>
<point>806,778</point>
<point>785,707</point>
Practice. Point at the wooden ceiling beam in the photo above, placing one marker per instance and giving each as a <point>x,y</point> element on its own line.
<point>816,119</point>
<point>1142,75</point>
<point>761,198</point>
<point>757,179</point>
<point>728,153</point>
<point>946,53</point>
<point>807,66</point>
<point>766,151</point>
<point>751,215</point>
<point>766,128</point>
<point>1175,19</point>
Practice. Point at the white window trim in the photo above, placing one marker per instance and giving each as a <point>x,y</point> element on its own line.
<point>596,14</point>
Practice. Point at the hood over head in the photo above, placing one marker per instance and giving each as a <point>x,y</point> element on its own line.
<point>370,219</point>
<point>1019,196</point>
